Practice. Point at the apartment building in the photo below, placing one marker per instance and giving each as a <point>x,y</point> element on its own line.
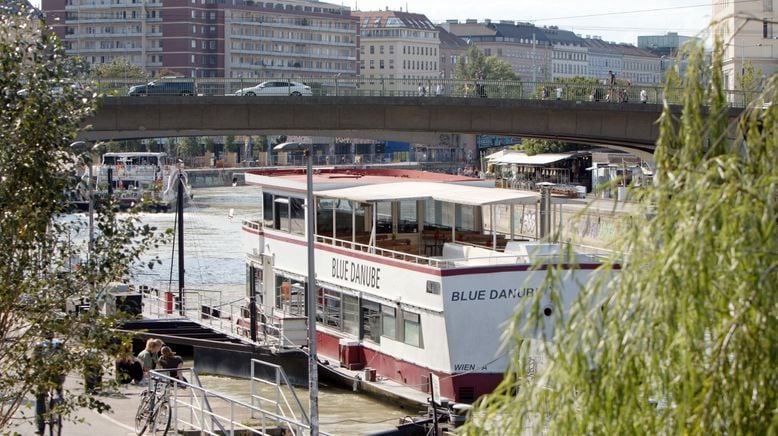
<point>748,31</point>
<point>522,45</point>
<point>569,54</point>
<point>452,48</point>
<point>639,66</point>
<point>602,59</point>
<point>211,38</point>
<point>398,45</point>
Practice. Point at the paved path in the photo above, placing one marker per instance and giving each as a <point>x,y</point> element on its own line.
<point>118,422</point>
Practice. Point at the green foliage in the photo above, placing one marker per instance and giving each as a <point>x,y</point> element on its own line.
<point>231,145</point>
<point>682,339</point>
<point>41,267</point>
<point>536,146</point>
<point>749,82</point>
<point>120,68</point>
<point>191,147</point>
<point>208,144</point>
<point>474,61</point>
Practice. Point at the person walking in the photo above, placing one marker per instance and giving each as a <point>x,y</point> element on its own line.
<point>643,96</point>
<point>422,91</point>
<point>612,77</point>
<point>45,355</point>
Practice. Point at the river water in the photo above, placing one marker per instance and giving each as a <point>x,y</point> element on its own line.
<point>215,260</point>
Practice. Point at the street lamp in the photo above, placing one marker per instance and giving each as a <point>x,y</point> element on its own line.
<point>313,375</point>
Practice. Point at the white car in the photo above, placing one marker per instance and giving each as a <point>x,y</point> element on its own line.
<point>276,87</point>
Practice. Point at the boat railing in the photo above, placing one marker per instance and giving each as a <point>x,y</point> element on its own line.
<point>252,224</point>
<point>385,252</point>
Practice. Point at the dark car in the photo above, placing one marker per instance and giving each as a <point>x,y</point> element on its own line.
<point>165,86</point>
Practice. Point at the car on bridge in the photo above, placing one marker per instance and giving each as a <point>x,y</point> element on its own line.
<point>165,86</point>
<point>276,87</point>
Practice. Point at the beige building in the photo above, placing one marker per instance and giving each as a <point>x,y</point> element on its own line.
<point>748,31</point>
<point>397,45</point>
<point>452,48</point>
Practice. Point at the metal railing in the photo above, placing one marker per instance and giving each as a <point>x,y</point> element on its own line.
<point>622,92</point>
<point>198,409</point>
<point>207,308</point>
<point>280,384</point>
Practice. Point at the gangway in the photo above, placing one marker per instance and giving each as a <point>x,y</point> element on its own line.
<point>195,408</point>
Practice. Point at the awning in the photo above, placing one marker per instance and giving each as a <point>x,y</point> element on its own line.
<point>445,192</point>
<point>520,158</point>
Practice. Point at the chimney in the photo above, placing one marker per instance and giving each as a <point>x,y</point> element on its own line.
<point>471,21</point>
<point>452,21</point>
<point>487,21</point>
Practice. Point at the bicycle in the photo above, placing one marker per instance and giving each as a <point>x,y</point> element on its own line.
<point>154,409</point>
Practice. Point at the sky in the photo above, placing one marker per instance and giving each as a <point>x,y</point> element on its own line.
<point>618,21</point>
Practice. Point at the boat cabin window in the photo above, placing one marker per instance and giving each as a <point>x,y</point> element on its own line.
<point>267,209</point>
<point>281,213</point>
<point>351,314</point>
<point>438,216</point>
<point>412,329</point>
<point>328,308</point>
<point>408,222</point>
<point>297,216</point>
<point>384,218</point>
<point>342,210</point>
<point>371,321</point>
<point>389,321</point>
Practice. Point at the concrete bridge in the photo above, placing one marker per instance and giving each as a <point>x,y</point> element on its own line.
<point>629,126</point>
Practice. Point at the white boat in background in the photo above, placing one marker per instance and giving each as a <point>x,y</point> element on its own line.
<point>416,273</point>
<point>132,177</point>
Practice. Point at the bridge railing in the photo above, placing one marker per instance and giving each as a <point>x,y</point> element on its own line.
<point>621,92</point>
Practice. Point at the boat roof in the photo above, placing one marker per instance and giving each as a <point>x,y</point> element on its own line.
<point>445,192</point>
<point>328,178</point>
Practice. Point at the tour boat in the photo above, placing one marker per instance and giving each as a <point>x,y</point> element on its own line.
<point>416,272</point>
<point>132,177</point>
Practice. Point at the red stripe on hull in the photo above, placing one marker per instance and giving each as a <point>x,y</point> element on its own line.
<point>464,387</point>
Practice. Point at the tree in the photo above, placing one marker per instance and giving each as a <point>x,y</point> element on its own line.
<point>682,339</point>
<point>749,82</point>
<point>37,274</point>
<point>231,145</point>
<point>475,61</point>
<point>533,146</point>
<point>191,147</point>
<point>119,68</point>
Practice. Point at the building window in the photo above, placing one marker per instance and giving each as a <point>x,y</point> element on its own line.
<point>194,44</point>
<point>372,64</point>
<point>381,49</point>
<point>372,49</point>
<point>381,64</point>
<point>767,30</point>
